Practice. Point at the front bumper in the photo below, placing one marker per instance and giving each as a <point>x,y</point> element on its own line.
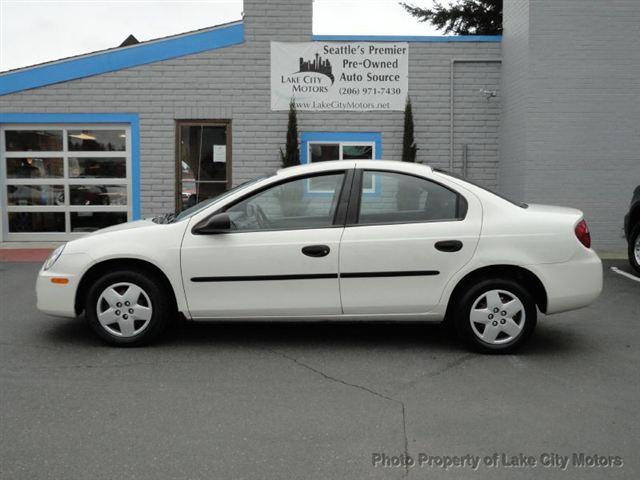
<point>59,299</point>
<point>573,284</point>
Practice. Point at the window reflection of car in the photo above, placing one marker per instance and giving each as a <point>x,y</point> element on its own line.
<point>189,192</point>
<point>90,195</point>
<point>96,195</point>
<point>33,195</point>
<point>187,173</point>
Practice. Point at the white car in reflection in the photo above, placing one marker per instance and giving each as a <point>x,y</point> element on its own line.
<point>345,240</point>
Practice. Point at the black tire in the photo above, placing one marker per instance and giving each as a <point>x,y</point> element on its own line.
<point>162,307</point>
<point>633,238</point>
<point>465,302</point>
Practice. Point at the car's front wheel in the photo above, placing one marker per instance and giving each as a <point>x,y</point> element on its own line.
<point>495,315</point>
<point>634,248</point>
<point>128,308</point>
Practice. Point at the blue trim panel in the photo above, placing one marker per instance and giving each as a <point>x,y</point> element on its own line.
<point>131,118</point>
<point>121,58</point>
<point>407,38</point>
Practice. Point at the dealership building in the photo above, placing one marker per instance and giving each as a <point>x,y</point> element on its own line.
<point>549,112</point>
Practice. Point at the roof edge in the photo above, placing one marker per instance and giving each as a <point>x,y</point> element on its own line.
<point>407,38</point>
<point>115,59</point>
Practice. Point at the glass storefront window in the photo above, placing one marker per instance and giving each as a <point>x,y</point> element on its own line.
<point>35,194</point>
<point>357,152</point>
<point>35,167</point>
<point>96,140</point>
<point>30,222</point>
<point>101,167</point>
<point>92,221</point>
<point>77,182</point>
<point>33,140</point>
<point>98,194</point>
<point>194,192</point>
<point>322,152</point>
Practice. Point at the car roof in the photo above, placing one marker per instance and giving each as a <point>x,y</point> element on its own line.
<point>347,164</point>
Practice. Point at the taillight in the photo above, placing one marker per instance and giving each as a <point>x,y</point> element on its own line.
<point>582,232</point>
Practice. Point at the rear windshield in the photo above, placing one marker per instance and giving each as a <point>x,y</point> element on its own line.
<point>499,195</point>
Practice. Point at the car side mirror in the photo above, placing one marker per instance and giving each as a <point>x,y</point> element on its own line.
<point>219,223</point>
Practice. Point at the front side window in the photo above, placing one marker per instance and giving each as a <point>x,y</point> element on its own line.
<point>404,199</point>
<point>289,206</point>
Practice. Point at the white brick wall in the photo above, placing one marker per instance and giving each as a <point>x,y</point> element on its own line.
<point>233,83</point>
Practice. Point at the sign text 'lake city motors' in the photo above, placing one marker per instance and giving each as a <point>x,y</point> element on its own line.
<point>339,76</point>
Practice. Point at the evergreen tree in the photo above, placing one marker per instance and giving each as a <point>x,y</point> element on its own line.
<point>408,196</point>
<point>292,202</point>
<point>291,155</point>
<point>466,17</point>
<point>409,147</point>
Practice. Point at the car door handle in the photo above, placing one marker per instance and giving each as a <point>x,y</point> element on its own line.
<point>449,245</point>
<point>316,250</point>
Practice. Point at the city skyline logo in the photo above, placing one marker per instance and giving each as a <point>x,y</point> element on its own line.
<point>316,65</point>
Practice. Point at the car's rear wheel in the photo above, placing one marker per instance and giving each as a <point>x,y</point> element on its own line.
<point>495,315</point>
<point>634,248</point>
<point>128,308</point>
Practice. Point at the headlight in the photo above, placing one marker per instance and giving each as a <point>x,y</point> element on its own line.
<point>53,257</point>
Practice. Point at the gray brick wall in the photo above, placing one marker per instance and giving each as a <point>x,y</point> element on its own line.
<point>581,97</point>
<point>233,83</point>
<point>515,72</point>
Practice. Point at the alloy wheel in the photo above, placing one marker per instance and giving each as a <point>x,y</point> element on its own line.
<point>636,250</point>
<point>497,317</point>
<point>124,309</point>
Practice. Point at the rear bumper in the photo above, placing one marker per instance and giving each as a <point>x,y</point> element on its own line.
<point>573,284</point>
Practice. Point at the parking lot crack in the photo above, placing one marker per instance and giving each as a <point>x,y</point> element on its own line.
<point>448,366</point>
<point>359,387</point>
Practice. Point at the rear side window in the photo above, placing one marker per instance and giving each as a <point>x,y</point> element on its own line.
<point>399,198</point>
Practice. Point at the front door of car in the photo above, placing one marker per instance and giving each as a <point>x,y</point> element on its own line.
<point>405,238</point>
<point>279,257</point>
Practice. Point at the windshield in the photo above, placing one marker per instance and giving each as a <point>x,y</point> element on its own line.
<point>503,197</point>
<point>205,203</point>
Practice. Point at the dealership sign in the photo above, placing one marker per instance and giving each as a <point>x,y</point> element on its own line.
<point>339,76</point>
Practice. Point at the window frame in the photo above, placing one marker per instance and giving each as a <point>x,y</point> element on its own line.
<point>339,217</point>
<point>341,144</point>
<point>66,181</point>
<point>353,211</point>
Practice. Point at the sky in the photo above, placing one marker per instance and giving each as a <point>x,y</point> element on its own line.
<point>36,31</point>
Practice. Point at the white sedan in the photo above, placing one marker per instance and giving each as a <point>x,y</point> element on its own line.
<point>344,240</point>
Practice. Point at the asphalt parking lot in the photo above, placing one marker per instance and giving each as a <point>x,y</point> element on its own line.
<point>238,401</point>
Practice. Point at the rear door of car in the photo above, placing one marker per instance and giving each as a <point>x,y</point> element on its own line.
<point>404,239</point>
